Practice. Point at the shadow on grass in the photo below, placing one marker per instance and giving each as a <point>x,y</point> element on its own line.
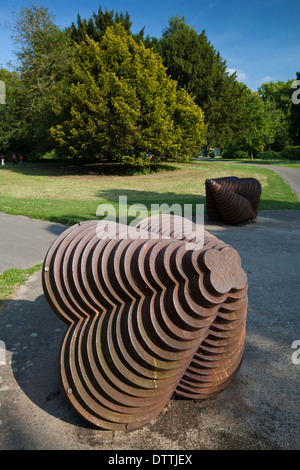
<point>72,212</point>
<point>65,168</point>
<point>169,199</point>
<point>115,204</point>
<point>153,198</point>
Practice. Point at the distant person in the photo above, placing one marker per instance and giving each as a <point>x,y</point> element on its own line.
<point>14,159</point>
<point>2,160</point>
<point>21,160</point>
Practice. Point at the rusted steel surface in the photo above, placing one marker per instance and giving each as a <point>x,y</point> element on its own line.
<point>147,317</point>
<point>232,200</point>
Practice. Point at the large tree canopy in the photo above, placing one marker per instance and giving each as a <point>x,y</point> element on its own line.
<point>44,55</point>
<point>98,89</point>
<point>277,97</point>
<point>9,125</point>
<point>118,100</point>
<point>200,70</point>
<point>261,125</point>
<point>95,26</point>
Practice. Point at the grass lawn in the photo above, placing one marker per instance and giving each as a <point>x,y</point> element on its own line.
<point>11,279</point>
<point>289,163</point>
<point>69,193</point>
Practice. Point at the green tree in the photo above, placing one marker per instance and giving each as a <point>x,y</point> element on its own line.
<point>198,68</point>
<point>95,26</point>
<point>278,97</point>
<point>261,124</point>
<point>9,124</point>
<point>44,55</point>
<point>119,101</point>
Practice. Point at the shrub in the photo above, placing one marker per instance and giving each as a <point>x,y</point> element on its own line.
<point>50,155</point>
<point>135,162</point>
<point>229,153</point>
<point>235,154</point>
<point>239,154</point>
<point>184,159</point>
<point>291,153</point>
<point>269,155</point>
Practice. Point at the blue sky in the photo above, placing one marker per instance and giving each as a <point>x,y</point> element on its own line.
<point>258,39</point>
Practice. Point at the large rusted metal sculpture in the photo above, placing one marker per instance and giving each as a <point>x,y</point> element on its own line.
<point>149,316</point>
<point>231,199</point>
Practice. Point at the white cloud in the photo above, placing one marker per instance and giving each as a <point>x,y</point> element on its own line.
<point>265,79</point>
<point>240,75</point>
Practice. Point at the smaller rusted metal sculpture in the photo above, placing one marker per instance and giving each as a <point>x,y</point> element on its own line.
<point>149,314</point>
<point>231,199</point>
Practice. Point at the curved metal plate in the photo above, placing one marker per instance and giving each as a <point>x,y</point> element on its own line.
<point>232,200</point>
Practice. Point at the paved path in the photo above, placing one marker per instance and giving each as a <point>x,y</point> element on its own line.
<point>290,175</point>
<point>24,242</point>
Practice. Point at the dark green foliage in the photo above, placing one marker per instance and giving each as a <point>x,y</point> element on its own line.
<point>115,98</point>
<point>278,97</point>
<point>291,153</point>
<point>269,155</point>
<point>96,25</point>
<point>240,154</point>
<point>201,71</point>
<point>119,101</point>
<point>9,127</point>
<point>44,54</point>
<point>235,153</point>
<point>260,126</point>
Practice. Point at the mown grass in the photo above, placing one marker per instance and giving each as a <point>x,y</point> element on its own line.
<point>70,193</point>
<point>260,161</point>
<point>11,279</point>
